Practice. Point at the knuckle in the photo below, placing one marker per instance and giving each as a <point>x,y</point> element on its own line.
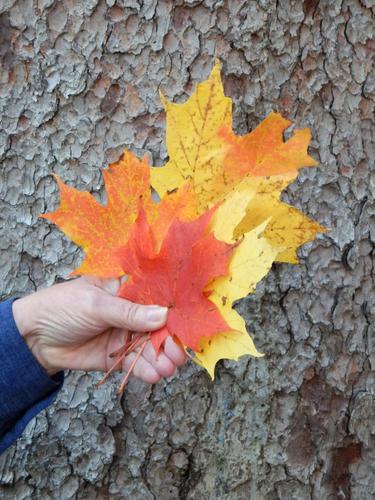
<point>93,300</point>
<point>175,352</point>
<point>130,311</point>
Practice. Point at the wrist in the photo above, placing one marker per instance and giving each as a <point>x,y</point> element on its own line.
<point>24,313</point>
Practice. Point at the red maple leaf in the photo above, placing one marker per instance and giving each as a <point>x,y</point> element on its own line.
<point>177,276</point>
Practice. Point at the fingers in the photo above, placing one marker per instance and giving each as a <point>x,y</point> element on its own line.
<point>162,364</point>
<point>121,313</point>
<point>151,368</point>
<point>143,369</point>
<point>174,352</point>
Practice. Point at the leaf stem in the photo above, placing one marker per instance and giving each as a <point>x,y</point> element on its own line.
<point>131,368</point>
<point>126,349</point>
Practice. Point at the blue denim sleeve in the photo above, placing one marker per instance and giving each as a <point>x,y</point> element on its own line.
<point>25,387</point>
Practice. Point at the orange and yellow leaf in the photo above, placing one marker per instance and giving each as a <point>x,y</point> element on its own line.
<point>101,229</point>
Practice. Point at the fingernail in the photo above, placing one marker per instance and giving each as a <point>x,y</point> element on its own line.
<point>157,313</point>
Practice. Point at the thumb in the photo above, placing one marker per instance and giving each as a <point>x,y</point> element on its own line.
<point>122,313</point>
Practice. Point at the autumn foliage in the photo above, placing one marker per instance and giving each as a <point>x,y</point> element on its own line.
<point>176,276</point>
<point>215,233</point>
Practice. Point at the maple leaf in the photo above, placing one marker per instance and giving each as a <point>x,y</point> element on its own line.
<point>226,345</point>
<point>192,135</point>
<point>263,152</point>
<point>203,148</point>
<point>177,276</point>
<point>230,214</point>
<point>251,261</point>
<point>100,230</point>
<point>288,227</point>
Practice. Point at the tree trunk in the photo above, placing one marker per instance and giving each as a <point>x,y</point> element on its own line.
<point>79,83</point>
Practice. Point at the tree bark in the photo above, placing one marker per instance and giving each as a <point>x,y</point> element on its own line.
<point>79,83</point>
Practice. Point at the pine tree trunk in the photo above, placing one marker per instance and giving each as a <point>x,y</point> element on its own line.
<point>79,83</point>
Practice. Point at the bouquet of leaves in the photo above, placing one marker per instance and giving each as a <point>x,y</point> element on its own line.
<point>214,234</point>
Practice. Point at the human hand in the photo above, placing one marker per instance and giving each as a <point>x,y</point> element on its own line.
<point>78,324</point>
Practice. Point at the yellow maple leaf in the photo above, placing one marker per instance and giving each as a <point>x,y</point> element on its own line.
<point>203,148</point>
<point>227,345</point>
<point>251,261</point>
<point>230,214</point>
<point>193,141</point>
<point>288,228</point>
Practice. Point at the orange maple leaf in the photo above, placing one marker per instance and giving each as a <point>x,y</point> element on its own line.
<point>263,152</point>
<point>177,277</point>
<point>101,229</point>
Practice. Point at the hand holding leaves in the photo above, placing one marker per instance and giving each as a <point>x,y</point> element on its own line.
<point>216,231</point>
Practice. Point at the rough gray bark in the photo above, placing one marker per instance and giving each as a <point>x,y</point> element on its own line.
<point>79,83</point>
